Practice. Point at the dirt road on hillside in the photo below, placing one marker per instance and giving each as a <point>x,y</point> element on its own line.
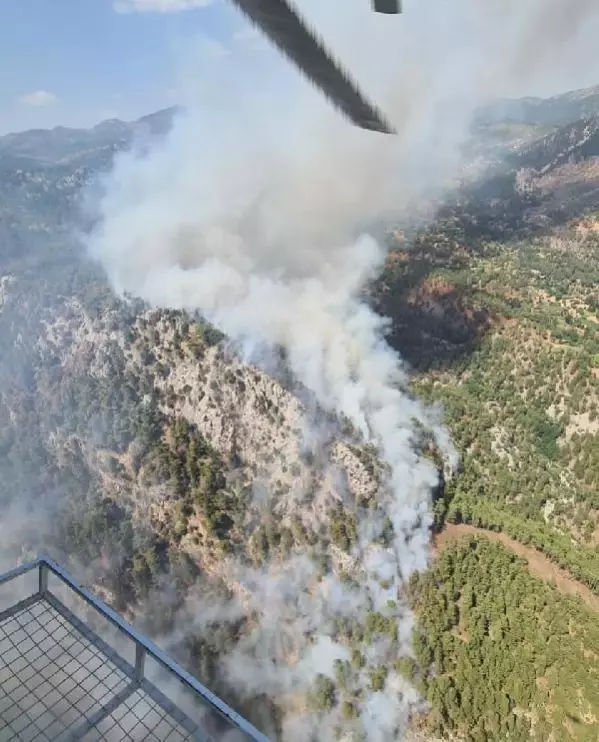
<point>539,565</point>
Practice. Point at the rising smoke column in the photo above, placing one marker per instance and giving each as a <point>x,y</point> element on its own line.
<point>253,211</point>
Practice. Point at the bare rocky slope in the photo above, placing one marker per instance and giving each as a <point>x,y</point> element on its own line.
<point>155,462</point>
<point>255,424</point>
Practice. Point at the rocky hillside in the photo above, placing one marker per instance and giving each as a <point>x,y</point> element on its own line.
<point>570,144</point>
<point>507,125</point>
<point>148,452</point>
<point>255,426</point>
<point>137,448</point>
<point>556,111</point>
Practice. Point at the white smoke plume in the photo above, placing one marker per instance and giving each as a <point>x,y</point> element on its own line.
<point>256,211</point>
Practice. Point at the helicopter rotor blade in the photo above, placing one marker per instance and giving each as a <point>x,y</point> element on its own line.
<point>289,32</point>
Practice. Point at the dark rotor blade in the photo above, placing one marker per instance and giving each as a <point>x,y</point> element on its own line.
<point>284,27</point>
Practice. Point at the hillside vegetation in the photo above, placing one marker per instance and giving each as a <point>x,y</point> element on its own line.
<point>499,654</point>
<point>507,657</point>
<point>138,448</point>
<point>523,405</point>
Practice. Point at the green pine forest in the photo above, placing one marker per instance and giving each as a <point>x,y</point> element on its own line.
<point>501,655</point>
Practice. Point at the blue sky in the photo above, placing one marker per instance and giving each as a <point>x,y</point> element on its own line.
<point>75,62</point>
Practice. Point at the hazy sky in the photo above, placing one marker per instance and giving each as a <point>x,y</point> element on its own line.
<point>75,62</point>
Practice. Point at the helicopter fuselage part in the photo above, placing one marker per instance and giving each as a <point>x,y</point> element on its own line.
<point>283,25</point>
<point>387,6</point>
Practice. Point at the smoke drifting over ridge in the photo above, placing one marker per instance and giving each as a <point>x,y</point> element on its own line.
<point>255,211</point>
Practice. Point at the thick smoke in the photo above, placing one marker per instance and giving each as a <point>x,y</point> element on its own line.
<point>257,211</point>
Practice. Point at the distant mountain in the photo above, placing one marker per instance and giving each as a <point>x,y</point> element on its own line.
<point>509,124</point>
<point>568,145</point>
<point>63,145</point>
<point>43,172</point>
<point>42,177</point>
<point>556,111</point>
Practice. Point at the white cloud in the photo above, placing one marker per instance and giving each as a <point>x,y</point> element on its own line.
<point>212,48</point>
<point>247,33</point>
<point>250,38</point>
<point>157,6</point>
<point>38,98</point>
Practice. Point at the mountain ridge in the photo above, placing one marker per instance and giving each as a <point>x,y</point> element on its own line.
<point>61,143</point>
<point>557,110</point>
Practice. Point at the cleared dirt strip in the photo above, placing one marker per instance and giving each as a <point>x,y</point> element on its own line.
<point>538,564</point>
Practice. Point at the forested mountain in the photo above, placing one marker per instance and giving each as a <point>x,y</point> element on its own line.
<point>517,122</point>
<point>139,448</point>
